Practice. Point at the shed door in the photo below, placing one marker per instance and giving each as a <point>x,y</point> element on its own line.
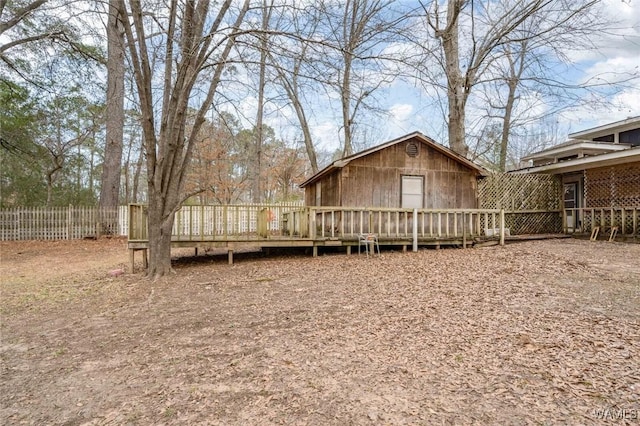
<point>412,192</point>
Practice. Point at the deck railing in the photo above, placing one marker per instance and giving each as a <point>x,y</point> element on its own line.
<point>273,221</point>
<point>349,222</point>
<point>220,222</point>
<point>583,220</point>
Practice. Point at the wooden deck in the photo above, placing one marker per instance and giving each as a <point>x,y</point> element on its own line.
<point>280,225</point>
<point>269,226</point>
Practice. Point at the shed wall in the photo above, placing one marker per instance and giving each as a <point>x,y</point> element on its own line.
<point>375,180</point>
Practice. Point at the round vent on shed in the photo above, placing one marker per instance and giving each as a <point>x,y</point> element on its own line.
<point>412,149</point>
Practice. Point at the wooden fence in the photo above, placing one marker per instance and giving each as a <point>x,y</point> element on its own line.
<point>61,223</point>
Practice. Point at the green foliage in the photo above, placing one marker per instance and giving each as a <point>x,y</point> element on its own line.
<point>17,119</point>
<point>20,179</point>
<point>49,149</point>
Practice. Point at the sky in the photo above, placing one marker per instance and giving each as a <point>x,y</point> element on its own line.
<point>411,108</point>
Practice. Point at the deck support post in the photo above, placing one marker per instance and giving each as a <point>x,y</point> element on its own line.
<point>315,251</point>
<point>348,250</point>
<point>132,259</point>
<point>230,254</point>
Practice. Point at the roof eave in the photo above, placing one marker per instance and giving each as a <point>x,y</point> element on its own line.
<point>594,161</point>
<point>584,145</point>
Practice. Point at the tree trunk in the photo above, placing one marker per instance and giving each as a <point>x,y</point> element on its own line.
<point>110,189</point>
<point>291,88</point>
<point>256,193</point>
<point>506,125</point>
<point>456,93</point>
<point>159,236</point>
<point>346,105</point>
<point>311,150</point>
<point>264,46</point>
<point>136,175</point>
<point>516,69</point>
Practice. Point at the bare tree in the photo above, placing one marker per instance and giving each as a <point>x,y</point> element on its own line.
<point>486,28</point>
<point>524,82</point>
<point>266,9</point>
<point>195,43</point>
<point>357,31</point>
<point>292,64</point>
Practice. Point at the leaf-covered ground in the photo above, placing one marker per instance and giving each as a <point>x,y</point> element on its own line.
<point>532,333</point>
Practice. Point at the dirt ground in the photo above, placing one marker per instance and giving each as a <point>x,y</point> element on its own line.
<point>540,332</point>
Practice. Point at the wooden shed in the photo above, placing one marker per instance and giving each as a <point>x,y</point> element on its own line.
<point>412,171</point>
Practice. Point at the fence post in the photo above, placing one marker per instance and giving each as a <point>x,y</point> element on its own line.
<point>501,227</point>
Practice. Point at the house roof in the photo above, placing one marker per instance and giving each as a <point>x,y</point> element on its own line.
<point>338,164</point>
<point>615,127</point>
<point>582,144</point>
<point>575,147</point>
<point>630,155</point>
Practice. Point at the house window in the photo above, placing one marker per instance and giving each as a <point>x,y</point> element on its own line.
<point>412,192</point>
<point>631,137</point>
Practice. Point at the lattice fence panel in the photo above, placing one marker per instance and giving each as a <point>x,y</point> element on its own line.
<point>617,186</point>
<point>519,192</point>
<point>533,223</point>
<point>532,202</point>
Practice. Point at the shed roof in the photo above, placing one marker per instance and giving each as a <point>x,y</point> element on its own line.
<point>338,164</point>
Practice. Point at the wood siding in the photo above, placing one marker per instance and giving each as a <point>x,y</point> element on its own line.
<point>375,180</point>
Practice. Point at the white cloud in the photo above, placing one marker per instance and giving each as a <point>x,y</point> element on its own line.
<point>401,112</point>
<point>326,135</point>
<point>622,36</point>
